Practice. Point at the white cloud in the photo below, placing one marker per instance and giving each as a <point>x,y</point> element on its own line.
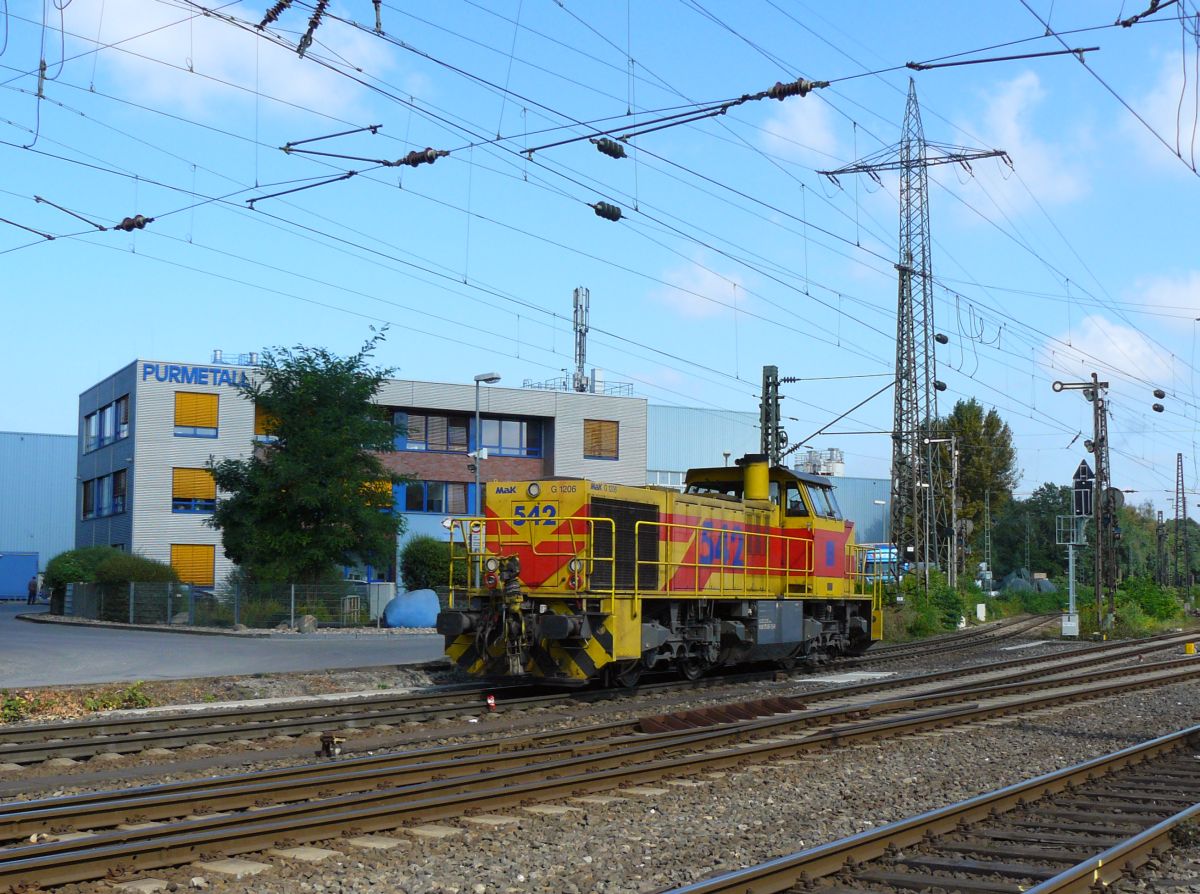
<point>1179,291</point>
<point>1051,170</point>
<point>699,293</point>
<point>146,34</point>
<point>1173,119</point>
<point>802,130</point>
<point>1098,340</point>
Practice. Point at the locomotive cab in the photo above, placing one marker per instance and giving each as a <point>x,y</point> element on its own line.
<point>572,580</point>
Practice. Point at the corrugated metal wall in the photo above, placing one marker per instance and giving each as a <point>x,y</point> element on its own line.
<point>37,494</point>
<point>680,438</point>
<point>857,497</point>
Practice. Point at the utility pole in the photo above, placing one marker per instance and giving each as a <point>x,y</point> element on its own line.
<point>918,499</point>
<point>1103,503</point>
<point>1160,531</point>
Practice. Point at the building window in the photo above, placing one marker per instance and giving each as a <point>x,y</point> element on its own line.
<point>122,406</point>
<point>194,563</point>
<point>89,499</point>
<point>108,424</point>
<point>120,480</point>
<point>447,434</point>
<point>264,425</point>
<point>600,439</point>
<point>108,428</point>
<point>193,490</point>
<point>442,497</point>
<point>511,437</point>
<point>663,478</point>
<point>91,432</point>
<point>195,415</point>
<point>104,495</point>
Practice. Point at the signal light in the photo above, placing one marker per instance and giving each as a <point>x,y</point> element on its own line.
<point>607,211</point>
<point>610,147</point>
<point>491,702</point>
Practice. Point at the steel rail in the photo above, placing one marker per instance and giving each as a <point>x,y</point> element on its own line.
<point>81,739</point>
<point>63,861</point>
<point>783,872</point>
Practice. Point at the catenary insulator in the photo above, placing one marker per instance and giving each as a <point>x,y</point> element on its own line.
<point>607,211</point>
<point>1159,393</point>
<point>941,338</point>
<point>939,385</point>
<point>1157,408</point>
<point>273,13</point>
<point>610,147</point>
<point>419,157</point>
<point>137,222</point>
<point>801,87</point>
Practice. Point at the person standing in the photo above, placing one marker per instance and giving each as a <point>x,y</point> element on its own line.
<point>33,591</point>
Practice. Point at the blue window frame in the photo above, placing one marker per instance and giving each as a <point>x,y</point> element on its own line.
<point>511,437</point>
<point>434,432</point>
<point>439,497</point>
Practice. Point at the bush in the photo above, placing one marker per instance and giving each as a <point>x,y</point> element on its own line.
<point>1157,603</point>
<point>425,563</point>
<point>77,565</point>
<point>121,569</point>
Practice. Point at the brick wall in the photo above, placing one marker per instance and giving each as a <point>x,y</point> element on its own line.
<point>453,467</point>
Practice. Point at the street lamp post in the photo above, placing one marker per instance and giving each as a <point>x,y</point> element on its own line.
<point>491,379</point>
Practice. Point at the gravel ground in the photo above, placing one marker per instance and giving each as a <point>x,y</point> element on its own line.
<point>643,843</point>
<point>241,756</point>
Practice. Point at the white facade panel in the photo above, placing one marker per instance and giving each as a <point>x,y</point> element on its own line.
<point>629,413</point>
<point>159,451</point>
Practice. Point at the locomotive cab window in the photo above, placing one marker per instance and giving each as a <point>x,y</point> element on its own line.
<point>824,503</point>
<point>795,506</point>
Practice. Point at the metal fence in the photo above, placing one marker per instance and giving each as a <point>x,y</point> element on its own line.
<point>264,606</point>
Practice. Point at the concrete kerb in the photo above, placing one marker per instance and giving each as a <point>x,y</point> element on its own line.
<point>44,618</point>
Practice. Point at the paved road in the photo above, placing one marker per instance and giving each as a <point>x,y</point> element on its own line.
<point>55,654</point>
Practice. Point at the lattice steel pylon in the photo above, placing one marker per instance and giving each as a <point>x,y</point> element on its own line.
<point>1183,552</point>
<point>919,489</point>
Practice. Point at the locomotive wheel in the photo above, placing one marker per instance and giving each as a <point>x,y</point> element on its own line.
<point>690,668</point>
<point>629,675</point>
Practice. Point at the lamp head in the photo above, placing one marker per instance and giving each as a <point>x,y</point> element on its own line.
<point>488,378</point>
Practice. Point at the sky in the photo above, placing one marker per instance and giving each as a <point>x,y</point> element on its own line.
<point>732,252</point>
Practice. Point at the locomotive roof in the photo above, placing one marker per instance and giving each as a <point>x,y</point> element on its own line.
<point>778,473</point>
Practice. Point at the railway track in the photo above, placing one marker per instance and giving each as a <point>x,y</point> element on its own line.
<point>83,739</point>
<point>130,735</point>
<point>1074,830</point>
<point>167,825</point>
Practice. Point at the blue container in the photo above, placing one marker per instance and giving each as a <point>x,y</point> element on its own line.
<point>15,571</point>
<point>416,608</point>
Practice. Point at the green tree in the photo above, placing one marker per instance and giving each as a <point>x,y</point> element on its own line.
<point>987,461</point>
<point>315,494</point>
<point>1032,521</point>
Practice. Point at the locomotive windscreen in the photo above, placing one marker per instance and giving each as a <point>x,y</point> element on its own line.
<point>624,563</point>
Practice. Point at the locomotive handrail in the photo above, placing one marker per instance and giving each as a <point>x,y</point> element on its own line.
<point>713,547</point>
<point>572,538</point>
<point>857,556</point>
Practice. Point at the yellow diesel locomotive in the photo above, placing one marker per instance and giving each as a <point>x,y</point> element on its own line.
<point>570,580</point>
